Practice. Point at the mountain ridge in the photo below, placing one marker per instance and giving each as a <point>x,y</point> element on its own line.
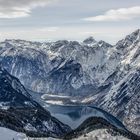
<point>86,72</point>
<point>19,112</point>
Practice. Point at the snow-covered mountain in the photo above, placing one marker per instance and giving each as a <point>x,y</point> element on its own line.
<point>62,67</point>
<point>18,111</point>
<point>122,99</point>
<point>93,72</point>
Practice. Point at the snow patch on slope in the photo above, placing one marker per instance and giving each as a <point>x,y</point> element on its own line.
<point>7,134</point>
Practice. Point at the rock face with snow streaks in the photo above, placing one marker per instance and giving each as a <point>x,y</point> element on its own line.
<point>77,66</point>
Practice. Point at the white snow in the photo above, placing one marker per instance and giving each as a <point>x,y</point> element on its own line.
<point>49,125</point>
<point>7,134</point>
<point>54,102</point>
<point>4,106</point>
<point>29,127</point>
<point>58,96</point>
<point>100,134</point>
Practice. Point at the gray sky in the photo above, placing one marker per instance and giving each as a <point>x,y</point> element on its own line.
<point>43,20</point>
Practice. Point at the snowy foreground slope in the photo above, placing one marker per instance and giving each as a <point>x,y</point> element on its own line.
<point>90,72</point>
<point>7,134</point>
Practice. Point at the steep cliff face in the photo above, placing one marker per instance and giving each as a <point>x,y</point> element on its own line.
<point>18,111</point>
<point>122,99</point>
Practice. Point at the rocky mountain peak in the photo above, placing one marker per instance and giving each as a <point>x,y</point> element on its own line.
<point>89,40</point>
<point>134,36</point>
<point>130,39</point>
<point>104,44</point>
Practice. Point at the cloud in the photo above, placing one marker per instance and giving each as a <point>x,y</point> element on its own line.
<point>49,29</point>
<point>19,8</point>
<point>117,15</point>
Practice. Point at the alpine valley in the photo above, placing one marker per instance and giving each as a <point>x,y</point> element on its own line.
<point>70,89</point>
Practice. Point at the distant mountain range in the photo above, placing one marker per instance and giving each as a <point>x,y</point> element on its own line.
<point>93,72</point>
